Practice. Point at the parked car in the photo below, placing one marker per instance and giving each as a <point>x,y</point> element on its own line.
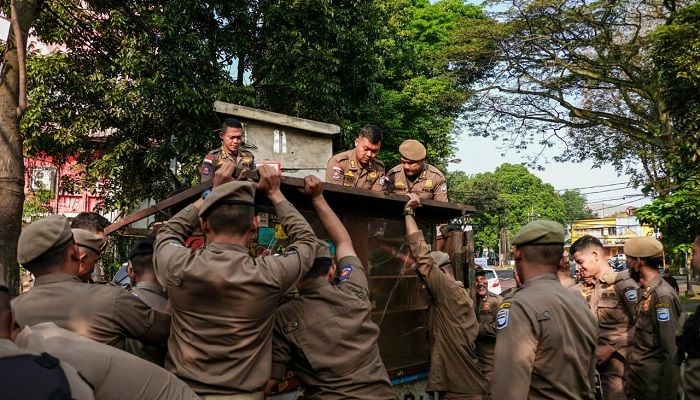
<point>494,282</point>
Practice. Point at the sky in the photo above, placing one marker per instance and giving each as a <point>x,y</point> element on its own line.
<point>478,154</point>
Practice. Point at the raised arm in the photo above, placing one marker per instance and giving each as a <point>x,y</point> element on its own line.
<point>331,223</point>
<point>419,249</point>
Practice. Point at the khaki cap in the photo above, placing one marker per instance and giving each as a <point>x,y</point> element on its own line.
<point>412,150</point>
<point>88,240</point>
<point>541,231</point>
<point>440,259</point>
<point>41,236</point>
<point>236,192</point>
<point>643,247</point>
<point>323,252</point>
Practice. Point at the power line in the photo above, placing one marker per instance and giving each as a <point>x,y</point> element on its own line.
<point>617,205</point>
<point>592,187</point>
<point>616,198</point>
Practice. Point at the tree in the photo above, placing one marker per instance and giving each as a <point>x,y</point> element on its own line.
<point>12,105</point>
<point>509,198</point>
<point>579,73</point>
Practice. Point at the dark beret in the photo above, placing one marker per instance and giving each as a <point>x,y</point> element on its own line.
<point>142,248</point>
<point>540,232</point>
<point>236,192</point>
<point>41,236</point>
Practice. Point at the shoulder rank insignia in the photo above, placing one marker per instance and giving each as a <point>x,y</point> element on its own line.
<point>429,184</point>
<point>424,174</point>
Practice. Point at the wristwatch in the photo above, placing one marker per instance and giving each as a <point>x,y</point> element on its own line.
<point>409,211</point>
<point>206,194</point>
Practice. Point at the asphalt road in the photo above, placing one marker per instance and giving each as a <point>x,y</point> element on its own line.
<point>506,278</point>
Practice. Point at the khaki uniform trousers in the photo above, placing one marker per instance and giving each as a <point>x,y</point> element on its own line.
<point>612,376</point>
<point>244,396</point>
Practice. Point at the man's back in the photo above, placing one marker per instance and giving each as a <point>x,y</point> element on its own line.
<point>545,345</point>
<point>103,313</point>
<point>330,324</point>
<point>112,373</point>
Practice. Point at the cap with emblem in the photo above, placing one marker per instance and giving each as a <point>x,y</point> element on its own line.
<point>41,236</point>
<point>88,240</point>
<point>412,150</point>
<point>541,231</point>
<point>643,247</point>
<point>142,248</point>
<point>236,192</point>
<point>440,259</point>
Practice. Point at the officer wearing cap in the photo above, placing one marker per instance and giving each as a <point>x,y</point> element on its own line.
<point>222,299</point>
<point>689,341</point>
<point>612,298</point>
<point>414,175</point>
<point>486,308</point>
<point>89,251</point>
<point>452,324</point>
<point>651,367</point>
<point>359,167</point>
<point>333,303</point>
<point>143,277</point>
<point>546,340</point>
<point>105,314</point>
<point>231,151</point>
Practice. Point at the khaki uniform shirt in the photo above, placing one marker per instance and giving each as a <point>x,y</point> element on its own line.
<point>216,158</point>
<point>613,301</point>
<point>344,169</point>
<point>327,337</point>
<point>152,294</point>
<point>452,328</point>
<point>79,388</point>
<point>652,372</point>
<point>430,184</point>
<point>112,373</point>
<point>545,347</point>
<point>486,309</point>
<point>104,313</point>
<point>223,302</point>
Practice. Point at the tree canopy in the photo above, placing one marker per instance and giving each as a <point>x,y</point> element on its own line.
<point>510,197</point>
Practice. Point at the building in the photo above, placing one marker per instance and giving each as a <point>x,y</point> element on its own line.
<point>613,231</point>
<point>299,146</point>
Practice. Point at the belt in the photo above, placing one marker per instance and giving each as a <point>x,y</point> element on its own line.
<point>244,396</point>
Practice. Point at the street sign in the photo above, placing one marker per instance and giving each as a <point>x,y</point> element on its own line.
<point>630,211</point>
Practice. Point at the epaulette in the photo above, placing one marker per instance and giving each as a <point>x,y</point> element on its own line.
<point>247,152</point>
<point>106,283</point>
<point>395,170</point>
<point>342,156</point>
<point>434,169</point>
<point>215,151</point>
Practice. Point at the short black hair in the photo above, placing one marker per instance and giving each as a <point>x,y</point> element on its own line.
<point>142,263</point>
<point>90,221</point>
<point>320,267</point>
<point>49,259</point>
<point>233,219</point>
<point>584,243</point>
<point>479,272</point>
<point>653,262</point>
<point>372,133</point>
<point>231,123</point>
<point>547,254</point>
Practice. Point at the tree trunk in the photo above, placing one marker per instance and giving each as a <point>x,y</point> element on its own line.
<point>11,157</point>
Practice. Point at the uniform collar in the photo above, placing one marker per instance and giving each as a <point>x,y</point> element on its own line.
<point>356,165</point>
<point>57,277</point>
<point>226,154</point>
<point>652,285</point>
<point>541,277</point>
<point>227,246</point>
<point>313,284</point>
<point>151,286</point>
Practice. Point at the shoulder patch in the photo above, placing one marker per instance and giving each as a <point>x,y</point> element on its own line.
<point>502,317</point>
<point>663,313</point>
<point>505,304</point>
<point>345,273</point>
<point>631,295</point>
<point>337,173</point>
<point>209,159</point>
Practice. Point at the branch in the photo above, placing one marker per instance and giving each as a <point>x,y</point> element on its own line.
<point>21,55</point>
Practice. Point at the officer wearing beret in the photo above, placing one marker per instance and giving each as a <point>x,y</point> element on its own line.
<point>452,324</point>
<point>89,251</point>
<point>359,167</point>
<point>612,298</point>
<point>333,303</point>
<point>689,341</point>
<point>545,346</point>
<point>414,175</point>
<point>652,371</point>
<point>486,308</point>
<point>103,313</point>
<point>231,151</point>
<point>223,300</point>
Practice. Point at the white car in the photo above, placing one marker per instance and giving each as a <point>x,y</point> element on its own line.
<point>493,281</point>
